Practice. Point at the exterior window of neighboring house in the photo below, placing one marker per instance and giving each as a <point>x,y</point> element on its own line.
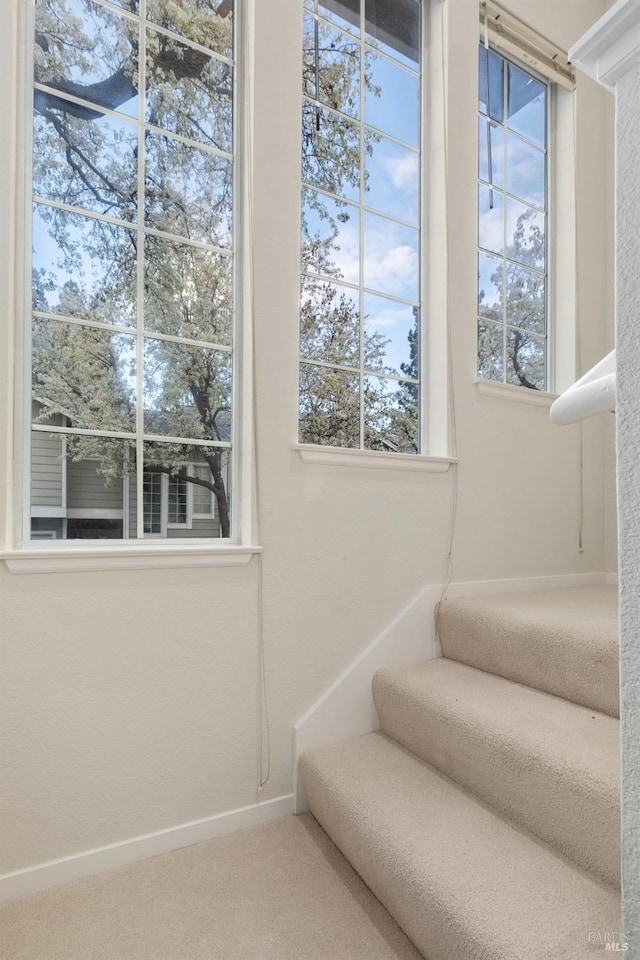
<point>153,503</point>
<point>513,315</point>
<point>133,268</point>
<point>361,206</point>
<point>174,501</point>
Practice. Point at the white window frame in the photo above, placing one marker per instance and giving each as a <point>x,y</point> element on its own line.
<point>524,47</point>
<point>19,553</point>
<point>359,289</point>
<point>548,151</point>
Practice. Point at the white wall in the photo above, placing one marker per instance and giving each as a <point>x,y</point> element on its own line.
<point>628,436</point>
<point>130,698</point>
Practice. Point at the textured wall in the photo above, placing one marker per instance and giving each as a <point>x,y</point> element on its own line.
<point>628,438</point>
<point>130,699</point>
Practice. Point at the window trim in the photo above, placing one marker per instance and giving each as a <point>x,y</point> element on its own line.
<point>170,552</point>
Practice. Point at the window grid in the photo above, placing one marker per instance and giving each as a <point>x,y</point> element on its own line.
<point>486,122</point>
<point>366,44</point>
<point>142,230</point>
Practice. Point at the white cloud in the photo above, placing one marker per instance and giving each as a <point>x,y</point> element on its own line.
<point>403,172</point>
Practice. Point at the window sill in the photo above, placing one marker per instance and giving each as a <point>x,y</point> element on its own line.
<point>510,393</point>
<point>148,556</point>
<point>344,457</point>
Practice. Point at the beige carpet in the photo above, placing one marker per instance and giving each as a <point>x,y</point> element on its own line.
<point>485,813</point>
<point>280,891</point>
<point>562,641</point>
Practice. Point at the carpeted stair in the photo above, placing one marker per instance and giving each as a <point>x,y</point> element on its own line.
<point>485,813</point>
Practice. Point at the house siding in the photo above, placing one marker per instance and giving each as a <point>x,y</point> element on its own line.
<point>87,490</point>
<point>46,470</point>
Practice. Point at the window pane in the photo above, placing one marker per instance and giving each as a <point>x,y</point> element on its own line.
<point>331,69</point>
<point>344,13</point>
<point>491,351</point>
<point>88,163</point>
<point>188,291</point>
<point>392,182</point>
<point>96,60</point>
<point>187,391</point>
<point>392,99</point>
<point>491,94</point>
<point>491,153</point>
<point>329,322</point>
<point>330,237</point>
<point>490,286</point>
<point>391,336</point>
<point>207,22</point>
<point>391,263</point>
<point>526,299</point>
<point>525,360</point>
<point>525,171</point>
<point>86,375</point>
<point>527,107</point>
<point>525,234</point>
<point>490,219</point>
<point>188,191</point>
<point>327,138</point>
<point>181,468</point>
<point>83,267</point>
<point>394,25</point>
<point>329,406</point>
<point>77,486</point>
<point>188,92</point>
<point>391,415</point>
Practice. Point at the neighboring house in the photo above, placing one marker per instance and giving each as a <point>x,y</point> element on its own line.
<point>71,500</point>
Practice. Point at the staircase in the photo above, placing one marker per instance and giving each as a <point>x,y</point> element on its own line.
<point>485,812</point>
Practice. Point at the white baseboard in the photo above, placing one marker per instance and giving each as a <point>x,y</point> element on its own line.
<point>91,862</point>
<point>346,709</point>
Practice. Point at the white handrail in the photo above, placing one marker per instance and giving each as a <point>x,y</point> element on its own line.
<point>592,394</point>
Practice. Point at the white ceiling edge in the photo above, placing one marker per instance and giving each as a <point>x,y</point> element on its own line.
<point>611,47</point>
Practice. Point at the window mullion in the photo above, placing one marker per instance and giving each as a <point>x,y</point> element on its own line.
<point>142,66</point>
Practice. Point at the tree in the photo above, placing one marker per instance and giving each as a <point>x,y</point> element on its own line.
<point>523,296</point>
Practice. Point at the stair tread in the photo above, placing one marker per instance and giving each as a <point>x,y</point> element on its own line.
<point>549,764</point>
<point>560,641</point>
<point>461,881</point>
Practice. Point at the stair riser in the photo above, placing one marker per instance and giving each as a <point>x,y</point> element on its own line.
<point>534,656</point>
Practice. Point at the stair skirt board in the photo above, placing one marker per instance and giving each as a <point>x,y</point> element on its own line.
<point>346,708</point>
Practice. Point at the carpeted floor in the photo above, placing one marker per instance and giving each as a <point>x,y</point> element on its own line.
<point>279,891</point>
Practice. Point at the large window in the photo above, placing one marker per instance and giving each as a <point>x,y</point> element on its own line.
<point>132,341</point>
<point>361,204</point>
<point>512,224</point>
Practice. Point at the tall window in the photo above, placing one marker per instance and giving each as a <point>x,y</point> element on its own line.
<point>512,219</point>
<point>133,263</point>
<point>360,290</point>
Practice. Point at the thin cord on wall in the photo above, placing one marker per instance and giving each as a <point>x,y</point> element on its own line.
<point>450,384</point>
<point>574,103</point>
<point>264,725</point>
